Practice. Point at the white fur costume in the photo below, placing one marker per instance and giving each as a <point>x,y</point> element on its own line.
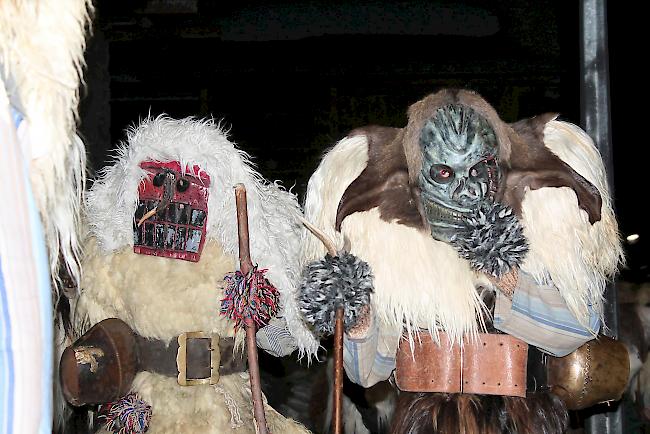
<point>161,297</point>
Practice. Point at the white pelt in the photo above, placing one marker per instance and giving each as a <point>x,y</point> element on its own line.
<point>41,58</point>
<point>565,248</point>
<point>419,282</point>
<point>338,168</point>
<point>272,212</point>
<point>222,408</point>
<point>161,298</point>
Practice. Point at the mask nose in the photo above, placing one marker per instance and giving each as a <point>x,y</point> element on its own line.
<point>466,191</point>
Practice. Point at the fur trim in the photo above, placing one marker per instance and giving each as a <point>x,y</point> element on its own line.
<point>324,191</point>
<point>429,287</point>
<point>492,240</point>
<point>272,211</point>
<point>565,249</point>
<point>340,281</point>
<point>41,59</point>
<point>347,159</point>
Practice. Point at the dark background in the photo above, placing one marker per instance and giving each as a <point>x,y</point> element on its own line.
<point>290,78</point>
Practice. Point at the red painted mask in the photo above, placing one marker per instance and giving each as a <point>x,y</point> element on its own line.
<point>176,229</point>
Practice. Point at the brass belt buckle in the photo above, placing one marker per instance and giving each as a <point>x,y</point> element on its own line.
<point>181,358</point>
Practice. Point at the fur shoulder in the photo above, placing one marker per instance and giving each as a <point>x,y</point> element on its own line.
<point>565,247</point>
<point>348,158</point>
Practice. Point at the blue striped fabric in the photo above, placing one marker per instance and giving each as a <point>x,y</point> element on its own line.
<point>370,357</point>
<point>537,314</point>
<point>25,292</point>
<point>275,339</point>
<point>6,361</point>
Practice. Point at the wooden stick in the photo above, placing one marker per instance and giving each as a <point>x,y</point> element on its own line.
<point>337,393</point>
<point>337,396</point>
<point>245,265</point>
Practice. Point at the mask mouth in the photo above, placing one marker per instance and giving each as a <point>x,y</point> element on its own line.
<point>176,228</point>
<point>440,215</point>
<point>171,216</point>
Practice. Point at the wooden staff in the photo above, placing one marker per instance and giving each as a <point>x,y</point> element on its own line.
<point>337,393</point>
<point>337,396</point>
<point>245,266</point>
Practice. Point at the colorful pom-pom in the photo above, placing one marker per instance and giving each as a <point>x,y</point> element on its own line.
<point>250,296</point>
<point>128,415</point>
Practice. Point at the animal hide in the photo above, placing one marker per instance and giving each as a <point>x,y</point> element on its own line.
<point>442,413</point>
<point>42,45</point>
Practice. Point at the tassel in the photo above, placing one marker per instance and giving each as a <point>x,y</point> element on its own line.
<point>128,415</point>
<point>250,296</point>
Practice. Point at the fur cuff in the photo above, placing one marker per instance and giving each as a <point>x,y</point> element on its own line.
<point>329,283</point>
<point>492,240</point>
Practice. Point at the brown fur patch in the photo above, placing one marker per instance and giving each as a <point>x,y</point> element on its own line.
<point>442,413</point>
<point>384,183</point>
<point>534,166</point>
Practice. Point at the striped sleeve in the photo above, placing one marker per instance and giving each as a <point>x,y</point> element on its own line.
<point>369,357</point>
<point>275,339</point>
<point>539,316</point>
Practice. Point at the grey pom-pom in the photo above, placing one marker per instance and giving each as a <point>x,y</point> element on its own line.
<point>342,280</point>
<point>492,240</point>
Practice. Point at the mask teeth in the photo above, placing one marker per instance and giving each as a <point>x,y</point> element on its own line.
<point>178,228</point>
<point>437,212</point>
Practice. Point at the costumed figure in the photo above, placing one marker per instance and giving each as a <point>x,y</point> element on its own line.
<point>489,246</point>
<point>159,351</point>
<point>42,172</point>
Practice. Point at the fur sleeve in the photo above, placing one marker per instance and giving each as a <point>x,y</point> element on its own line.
<point>565,248</point>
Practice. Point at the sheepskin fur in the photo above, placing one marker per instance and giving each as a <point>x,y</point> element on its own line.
<point>423,283</point>
<point>579,258</point>
<point>223,408</point>
<point>41,58</point>
<point>161,297</point>
<point>272,212</point>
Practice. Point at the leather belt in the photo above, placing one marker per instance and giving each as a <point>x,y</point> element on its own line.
<point>101,365</point>
<point>194,358</point>
<point>492,364</point>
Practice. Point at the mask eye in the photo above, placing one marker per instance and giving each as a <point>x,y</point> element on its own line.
<point>442,174</point>
<point>182,185</point>
<point>473,172</point>
<point>159,179</point>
